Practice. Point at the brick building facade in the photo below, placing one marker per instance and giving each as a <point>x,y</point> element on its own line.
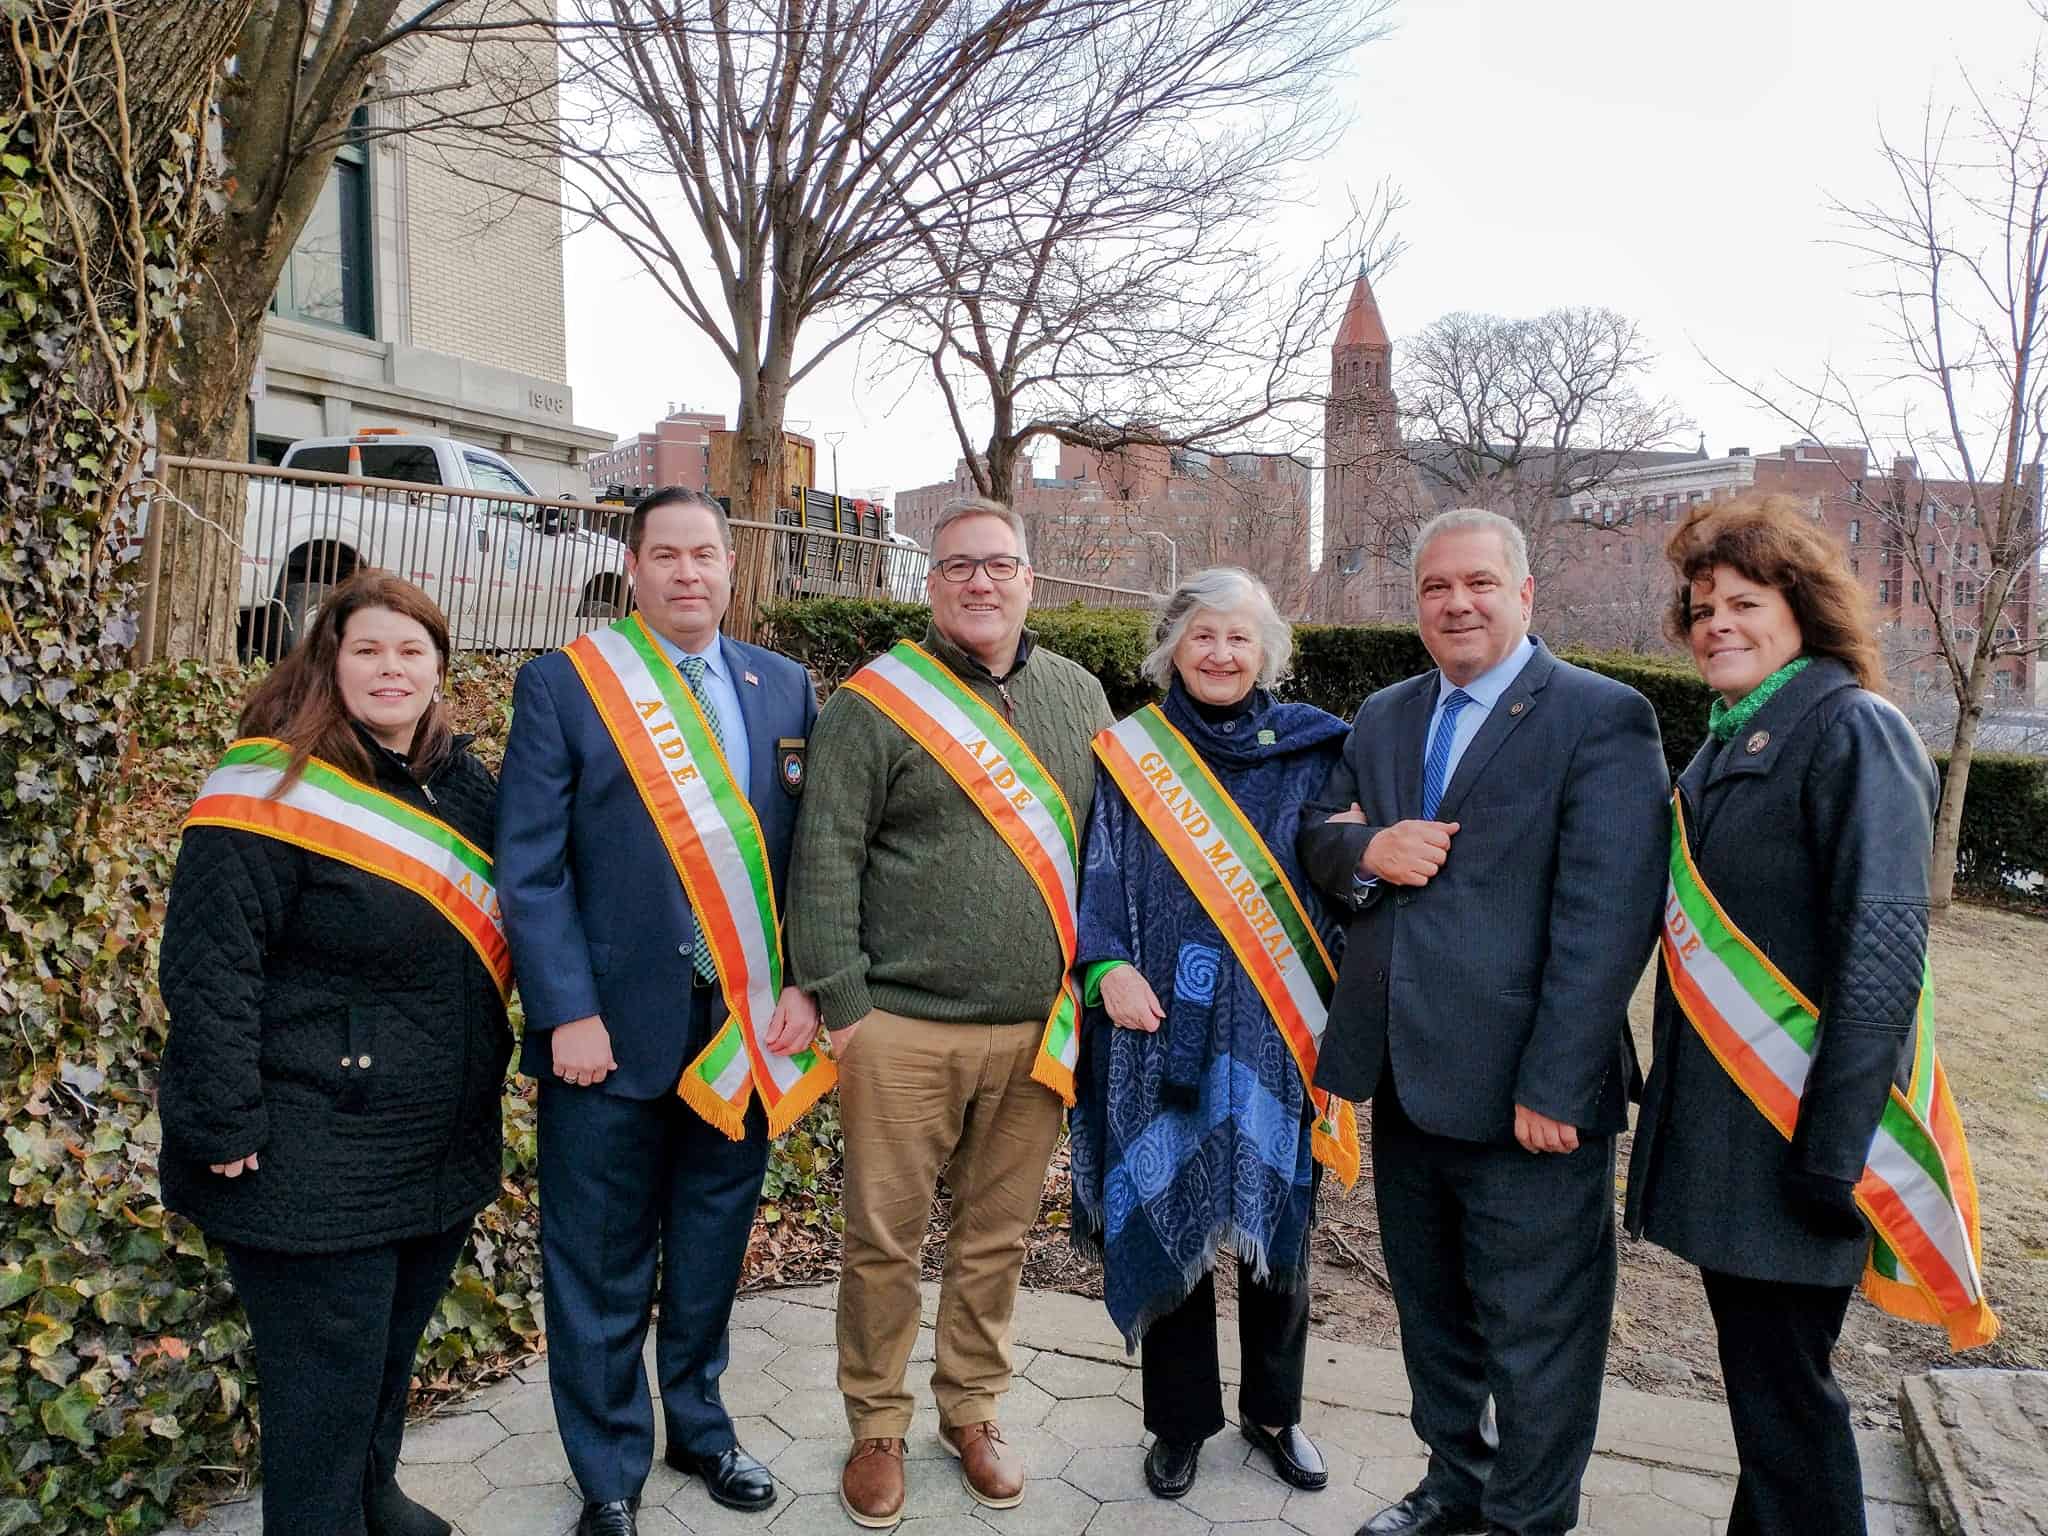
<point>1108,516</point>
<point>676,452</point>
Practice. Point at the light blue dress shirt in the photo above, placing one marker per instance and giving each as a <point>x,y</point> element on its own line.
<point>725,698</point>
<point>1484,691</point>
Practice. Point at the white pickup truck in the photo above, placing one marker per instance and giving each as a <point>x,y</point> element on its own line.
<point>510,574</point>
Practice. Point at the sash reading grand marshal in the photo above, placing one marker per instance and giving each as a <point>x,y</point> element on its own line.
<point>715,843</point>
<point>1008,785</point>
<point>1917,1190</point>
<point>1239,883</point>
<point>334,813</point>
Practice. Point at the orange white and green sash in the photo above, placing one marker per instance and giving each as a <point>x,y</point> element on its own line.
<point>334,813</point>
<point>715,843</point>
<point>1009,786</point>
<point>1917,1188</point>
<point>1239,883</point>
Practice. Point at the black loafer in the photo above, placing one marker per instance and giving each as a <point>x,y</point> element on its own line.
<point>1294,1456</point>
<point>731,1477</point>
<point>1170,1466</point>
<point>1422,1513</point>
<point>609,1517</point>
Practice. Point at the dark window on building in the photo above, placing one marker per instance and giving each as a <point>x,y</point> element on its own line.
<point>326,279</point>
<point>1855,530</point>
<point>1916,592</point>
<point>1884,591</point>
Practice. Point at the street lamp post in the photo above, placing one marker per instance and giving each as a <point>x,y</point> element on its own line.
<point>1172,557</point>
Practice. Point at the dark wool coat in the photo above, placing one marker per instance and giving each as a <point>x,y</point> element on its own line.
<point>1811,828</point>
<point>277,966</point>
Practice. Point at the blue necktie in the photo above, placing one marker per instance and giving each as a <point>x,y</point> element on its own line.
<point>1436,767</point>
<point>693,674</point>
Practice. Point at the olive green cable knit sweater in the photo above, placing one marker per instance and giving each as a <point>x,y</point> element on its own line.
<point>901,895</point>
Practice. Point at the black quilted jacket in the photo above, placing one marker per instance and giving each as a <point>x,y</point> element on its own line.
<point>285,972</point>
<point>1811,828</point>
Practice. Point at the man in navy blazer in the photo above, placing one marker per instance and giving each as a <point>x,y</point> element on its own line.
<point>1498,830</point>
<point>617,1003</point>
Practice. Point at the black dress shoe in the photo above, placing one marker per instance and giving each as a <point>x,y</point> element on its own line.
<point>1422,1513</point>
<point>388,1512</point>
<point>611,1517</point>
<point>1170,1466</point>
<point>1294,1456</point>
<point>731,1477</point>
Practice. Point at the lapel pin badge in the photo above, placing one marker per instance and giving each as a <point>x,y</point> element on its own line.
<point>1517,707</point>
<point>1757,743</point>
<point>1267,738</point>
<point>752,680</point>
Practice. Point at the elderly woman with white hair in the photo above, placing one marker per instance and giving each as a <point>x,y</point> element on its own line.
<point>1204,957</point>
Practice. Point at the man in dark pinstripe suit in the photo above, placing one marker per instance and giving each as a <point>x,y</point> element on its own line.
<point>1498,828</point>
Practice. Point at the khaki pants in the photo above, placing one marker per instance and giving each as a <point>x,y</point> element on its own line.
<point>914,1098</point>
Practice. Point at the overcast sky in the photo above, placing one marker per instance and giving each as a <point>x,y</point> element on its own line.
<point>1674,163</point>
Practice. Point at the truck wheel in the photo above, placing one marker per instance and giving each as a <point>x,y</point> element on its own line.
<point>603,599</point>
<point>301,604</point>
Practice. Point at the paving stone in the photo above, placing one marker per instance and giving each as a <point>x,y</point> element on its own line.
<point>935,1487</point>
<point>1888,1467</point>
<point>1252,1528</point>
<point>529,1408</point>
<point>1708,1496</point>
<point>754,1311</point>
<point>525,1460</point>
<point>1390,1478</point>
<point>1068,1376</point>
<point>1107,1473</point>
<point>921,1442</point>
<point>1044,1453</point>
<point>1644,1514</point>
<point>763,1438</point>
<point>547,1510</point>
<point>448,1489</point>
<point>695,1508</point>
<point>812,1514</point>
<point>484,1399</point>
<point>1146,1517</point>
<point>749,1349</point>
<point>1329,1512</point>
<point>1021,1355</point>
<point>1229,1491</point>
<point>803,1325</point>
<point>537,1371</point>
<point>655,1521</point>
<point>1025,1406</point>
<point>1885,1519</point>
<point>942,1525</point>
<point>451,1437</point>
<point>1092,1421</point>
<point>664,1482</point>
<point>751,1392</point>
<point>1050,1508</point>
<point>1611,1474</point>
<point>237,1517</point>
<point>811,1466</point>
<point>1362,1434</point>
<point>810,1415</point>
<point>807,1366</point>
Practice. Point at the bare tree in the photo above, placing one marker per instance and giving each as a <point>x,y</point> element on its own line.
<point>1960,248</point>
<point>1125,289</point>
<point>1521,415</point>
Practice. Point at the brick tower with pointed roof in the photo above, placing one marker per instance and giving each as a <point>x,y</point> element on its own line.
<point>1360,434</point>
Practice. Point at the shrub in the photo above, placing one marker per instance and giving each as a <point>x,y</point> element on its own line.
<point>2003,850</point>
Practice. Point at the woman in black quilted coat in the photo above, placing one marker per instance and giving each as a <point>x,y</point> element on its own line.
<point>337,1049</point>
<point>1809,812</point>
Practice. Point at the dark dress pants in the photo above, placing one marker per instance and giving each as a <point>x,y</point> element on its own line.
<point>335,1335</point>
<point>635,1193</point>
<point>1503,1268</point>
<point>1182,1376</point>
<point>1793,1438</point>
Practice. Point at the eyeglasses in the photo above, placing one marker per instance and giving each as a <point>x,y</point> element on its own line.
<point>962,567</point>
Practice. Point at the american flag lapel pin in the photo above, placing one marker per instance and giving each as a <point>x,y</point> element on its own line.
<point>752,681</point>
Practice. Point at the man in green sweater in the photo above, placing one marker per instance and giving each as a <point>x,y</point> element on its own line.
<point>937,959</point>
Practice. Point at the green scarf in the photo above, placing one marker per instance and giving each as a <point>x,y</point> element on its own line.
<point>1725,719</point>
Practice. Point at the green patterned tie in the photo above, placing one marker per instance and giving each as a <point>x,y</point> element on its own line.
<point>693,673</point>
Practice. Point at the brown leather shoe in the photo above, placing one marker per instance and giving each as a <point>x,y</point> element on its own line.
<point>993,1472</point>
<point>871,1485</point>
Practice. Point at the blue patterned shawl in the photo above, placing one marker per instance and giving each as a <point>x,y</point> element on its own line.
<point>1195,1137</point>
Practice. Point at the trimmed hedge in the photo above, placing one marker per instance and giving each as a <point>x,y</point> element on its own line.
<point>2003,850</point>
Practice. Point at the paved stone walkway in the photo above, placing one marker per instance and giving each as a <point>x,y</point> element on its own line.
<point>493,1464</point>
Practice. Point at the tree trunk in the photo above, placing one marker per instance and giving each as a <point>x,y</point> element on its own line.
<point>1948,816</point>
<point>760,486</point>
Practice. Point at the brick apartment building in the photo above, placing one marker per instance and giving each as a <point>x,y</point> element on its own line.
<point>1625,523</point>
<point>1108,516</point>
<point>676,452</point>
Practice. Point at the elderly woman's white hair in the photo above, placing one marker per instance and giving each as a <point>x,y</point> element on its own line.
<point>1220,589</point>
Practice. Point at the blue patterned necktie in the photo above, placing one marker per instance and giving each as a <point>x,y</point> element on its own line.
<point>692,668</point>
<point>1436,767</point>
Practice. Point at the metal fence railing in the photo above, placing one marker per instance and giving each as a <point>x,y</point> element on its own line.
<point>255,548</point>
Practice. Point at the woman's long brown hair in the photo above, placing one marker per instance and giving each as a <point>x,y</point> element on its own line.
<point>300,702</point>
<point>1775,541</point>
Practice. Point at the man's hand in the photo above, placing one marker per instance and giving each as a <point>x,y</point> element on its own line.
<point>794,1024</point>
<point>1129,1000</point>
<point>234,1169</point>
<point>1540,1133</point>
<point>583,1052</point>
<point>1354,817</point>
<point>1408,852</point>
<point>843,1038</point>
